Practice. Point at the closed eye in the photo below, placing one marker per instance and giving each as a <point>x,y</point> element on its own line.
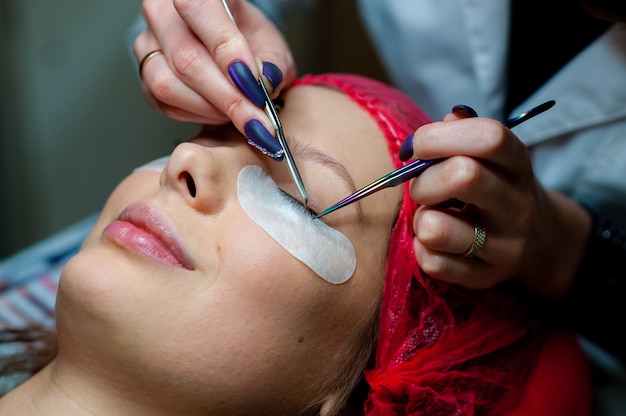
<point>299,204</point>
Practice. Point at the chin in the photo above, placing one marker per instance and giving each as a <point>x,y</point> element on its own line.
<point>93,283</point>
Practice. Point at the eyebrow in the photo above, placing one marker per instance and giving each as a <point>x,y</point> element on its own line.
<point>315,155</point>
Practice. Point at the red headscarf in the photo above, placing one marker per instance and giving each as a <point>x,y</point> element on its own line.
<point>441,350</point>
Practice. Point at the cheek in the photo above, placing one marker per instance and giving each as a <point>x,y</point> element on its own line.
<point>272,296</point>
<point>323,249</point>
<point>98,303</point>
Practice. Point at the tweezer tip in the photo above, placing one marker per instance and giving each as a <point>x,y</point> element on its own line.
<point>326,211</point>
<point>300,185</point>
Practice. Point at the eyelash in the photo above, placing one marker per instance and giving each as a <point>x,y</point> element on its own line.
<point>298,203</point>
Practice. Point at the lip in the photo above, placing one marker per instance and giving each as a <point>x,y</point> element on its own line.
<point>146,230</point>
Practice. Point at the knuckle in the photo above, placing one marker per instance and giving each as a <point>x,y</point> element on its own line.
<point>226,47</point>
<point>185,6</point>
<point>234,107</point>
<point>492,137</point>
<point>462,172</point>
<point>431,230</point>
<point>184,56</point>
<point>181,5</point>
<point>161,86</point>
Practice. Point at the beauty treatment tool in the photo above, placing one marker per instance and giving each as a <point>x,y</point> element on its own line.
<point>272,114</point>
<point>414,168</point>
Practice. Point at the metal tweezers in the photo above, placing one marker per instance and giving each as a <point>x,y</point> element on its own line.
<point>272,114</point>
<point>414,168</point>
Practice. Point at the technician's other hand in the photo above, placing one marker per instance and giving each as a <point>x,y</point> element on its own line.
<point>486,183</point>
<point>208,67</point>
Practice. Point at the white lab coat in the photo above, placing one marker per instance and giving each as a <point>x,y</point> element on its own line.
<point>451,52</point>
<point>448,52</point>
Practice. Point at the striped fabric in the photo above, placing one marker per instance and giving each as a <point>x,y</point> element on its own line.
<point>28,285</point>
<point>29,279</point>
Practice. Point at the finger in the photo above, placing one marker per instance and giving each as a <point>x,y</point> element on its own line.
<point>190,63</point>
<point>470,273</point>
<point>145,48</point>
<point>481,138</point>
<point>162,89</point>
<point>445,231</point>
<point>495,262</point>
<point>269,45</point>
<point>489,202</point>
<point>145,43</point>
<point>178,113</point>
<point>459,177</point>
<point>223,38</point>
<point>174,98</point>
<point>451,232</point>
<point>251,38</point>
<point>458,112</point>
<point>473,182</point>
<point>443,259</point>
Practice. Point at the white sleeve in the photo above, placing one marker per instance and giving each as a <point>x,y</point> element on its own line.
<point>443,53</point>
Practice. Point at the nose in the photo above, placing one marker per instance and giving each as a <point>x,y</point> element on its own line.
<point>204,177</point>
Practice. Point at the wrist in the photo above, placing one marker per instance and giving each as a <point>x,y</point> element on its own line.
<point>552,264</point>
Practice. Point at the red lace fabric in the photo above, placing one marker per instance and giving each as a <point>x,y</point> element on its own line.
<point>441,350</point>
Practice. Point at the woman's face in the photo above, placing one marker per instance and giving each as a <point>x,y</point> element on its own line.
<point>231,321</point>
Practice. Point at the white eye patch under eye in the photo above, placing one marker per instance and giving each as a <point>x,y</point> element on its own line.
<point>323,249</point>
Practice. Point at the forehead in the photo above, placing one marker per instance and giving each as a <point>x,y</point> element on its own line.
<point>331,121</point>
<point>328,119</point>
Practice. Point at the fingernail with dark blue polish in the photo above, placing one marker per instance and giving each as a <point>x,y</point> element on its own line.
<point>244,80</point>
<point>273,73</point>
<point>406,148</point>
<point>464,111</point>
<point>259,137</point>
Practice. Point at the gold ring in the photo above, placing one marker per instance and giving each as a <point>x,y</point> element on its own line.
<point>480,236</point>
<point>146,58</point>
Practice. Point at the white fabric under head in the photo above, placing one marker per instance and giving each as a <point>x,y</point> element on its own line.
<point>325,250</point>
<point>157,164</point>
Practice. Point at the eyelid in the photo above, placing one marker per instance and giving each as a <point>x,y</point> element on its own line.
<point>310,153</point>
<point>298,202</point>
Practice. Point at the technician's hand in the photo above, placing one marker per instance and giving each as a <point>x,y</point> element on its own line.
<point>486,182</point>
<point>208,67</point>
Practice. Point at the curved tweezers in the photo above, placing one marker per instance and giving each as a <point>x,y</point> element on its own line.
<point>414,168</point>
